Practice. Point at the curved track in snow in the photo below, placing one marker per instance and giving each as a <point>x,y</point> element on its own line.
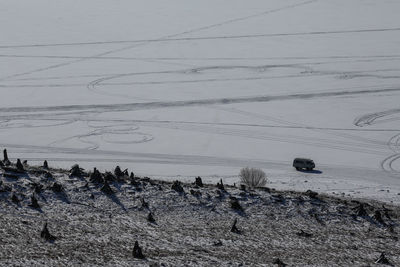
<point>394,141</point>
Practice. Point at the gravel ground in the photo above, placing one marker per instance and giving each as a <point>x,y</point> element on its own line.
<point>192,227</point>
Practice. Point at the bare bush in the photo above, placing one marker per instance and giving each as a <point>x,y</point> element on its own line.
<point>252,177</point>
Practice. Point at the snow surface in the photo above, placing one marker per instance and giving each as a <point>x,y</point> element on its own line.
<point>175,89</point>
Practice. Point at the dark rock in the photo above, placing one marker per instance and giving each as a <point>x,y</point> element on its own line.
<point>382,259</point>
<point>145,205</point>
<point>135,182</point>
<point>195,193</point>
<point>150,218</point>
<point>378,217</point>
<point>132,176</point>
<point>137,251</point>
<point>311,194</point>
<point>387,212</point>
<point>107,189</point>
<point>19,166</point>
<point>234,228</point>
<point>304,234</point>
<point>125,172</point>
<point>45,165</point>
<point>278,262</point>
<point>177,187</point>
<point>57,188</point>
<point>360,210</point>
<point>235,204</point>
<point>76,171</point>
<point>220,185</point>
<point>6,161</point>
<point>46,234</point>
<point>217,243</point>
<point>48,175</point>
<point>5,155</point>
<point>117,172</point>
<point>34,203</point>
<point>198,182</point>
<point>86,187</point>
<point>37,188</point>
<point>109,177</point>
<point>300,200</point>
<point>243,194</point>
<point>391,229</point>
<point>15,199</point>
<point>146,179</point>
<point>243,187</point>
<point>220,194</point>
<point>95,177</point>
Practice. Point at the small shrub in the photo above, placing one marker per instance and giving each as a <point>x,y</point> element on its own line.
<point>253,177</point>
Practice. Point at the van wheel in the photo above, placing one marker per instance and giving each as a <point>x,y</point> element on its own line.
<point>297,168</point>
<point>309,169</point>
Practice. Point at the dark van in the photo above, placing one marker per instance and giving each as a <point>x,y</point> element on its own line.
<point>303,164</point>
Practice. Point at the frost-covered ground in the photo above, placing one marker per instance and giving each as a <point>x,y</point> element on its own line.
<point>191,228</point>
<point>175,89</point>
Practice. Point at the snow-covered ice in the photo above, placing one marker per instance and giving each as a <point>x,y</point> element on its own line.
<point>175,89</point>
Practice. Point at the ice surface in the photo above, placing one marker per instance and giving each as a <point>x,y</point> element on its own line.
<point>186,88</point>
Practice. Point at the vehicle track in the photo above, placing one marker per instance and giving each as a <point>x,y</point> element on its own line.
<point>359,140</point>
<point>98,108</point>
<point>125,48</point>
<point>360,147</point>
<point>207,38</point>
<point>305,71</point>
<point>78,155</point>
<point>393,143</point>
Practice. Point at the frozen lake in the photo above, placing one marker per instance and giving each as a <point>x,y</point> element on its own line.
<point>176,89</point>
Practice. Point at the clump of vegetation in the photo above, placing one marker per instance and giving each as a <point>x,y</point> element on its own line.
<point>253,177</point>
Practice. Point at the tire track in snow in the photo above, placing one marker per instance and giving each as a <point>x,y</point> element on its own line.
<point>125,48</point>
<point>206,38</point>
<point>359,141</point>
<point>377,149</point>
<point>92,86</point>
<point>306,71</point>
<point>369,119</point>
<point>393,143</point>
<point>118,156</point>
<point>188,103</point>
